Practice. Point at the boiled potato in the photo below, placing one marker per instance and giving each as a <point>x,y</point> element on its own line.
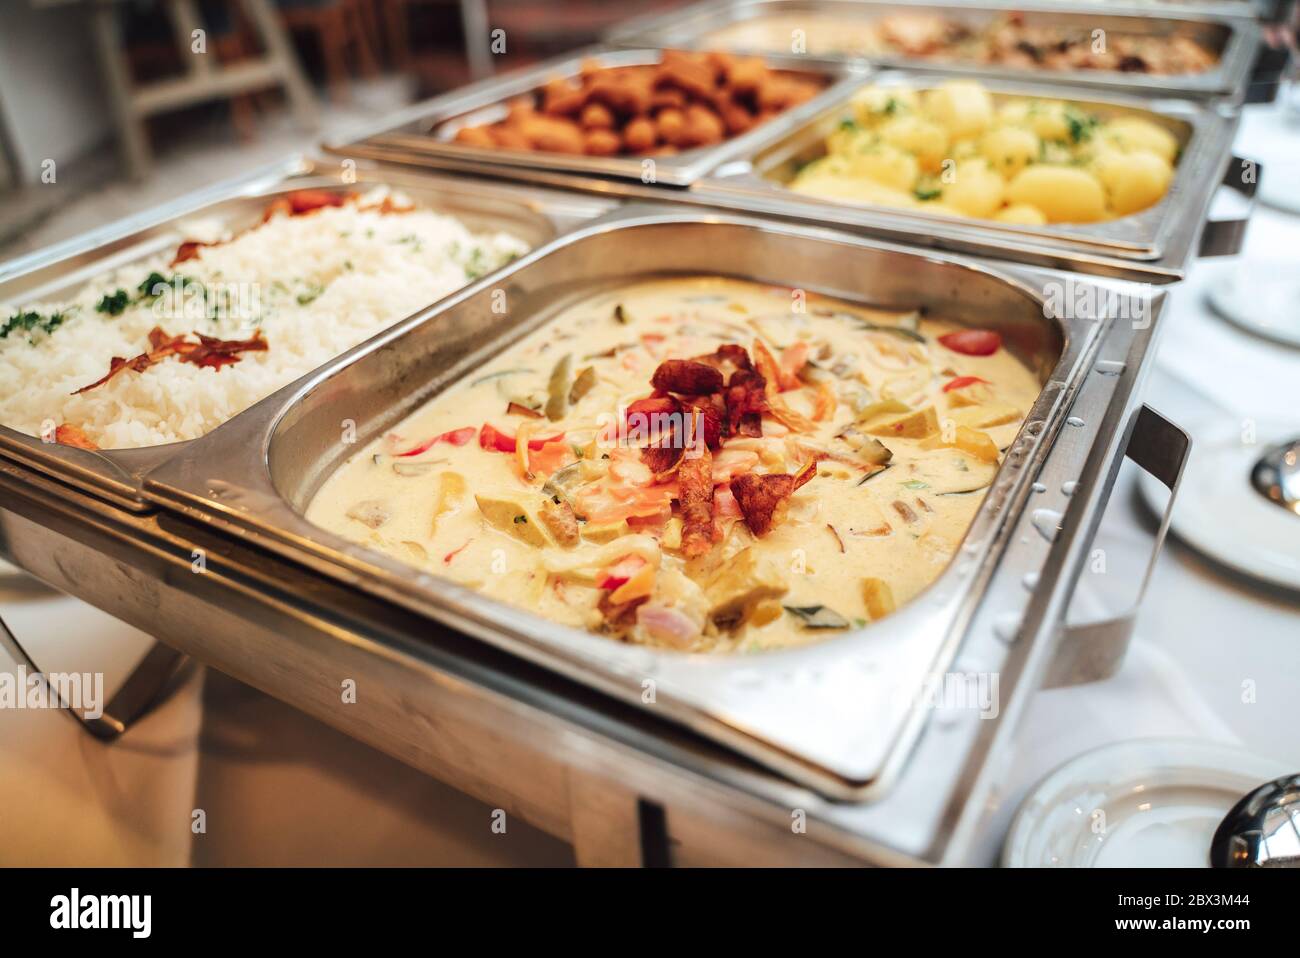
<point>874,103</point>
<point>1064,194</point>
<point>1047,119</point>
<point>887,165</point>
<point>1022,214</point>
<point>976,189</point>
<point>1134,180</point>
<point>1009,149</point>
<point>963,107</point>
<point>925,140</point>
<point>952,151</point>
<point>853,190</point>
<point>1135,133</point>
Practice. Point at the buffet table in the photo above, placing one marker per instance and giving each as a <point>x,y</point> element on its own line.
<point>620,789</point>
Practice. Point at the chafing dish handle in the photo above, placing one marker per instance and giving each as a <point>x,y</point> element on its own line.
<point>1225,237</point>
<point>1095,650</point>
<point>142,690</point>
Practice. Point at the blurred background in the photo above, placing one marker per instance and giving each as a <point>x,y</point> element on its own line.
<point>110,106</point>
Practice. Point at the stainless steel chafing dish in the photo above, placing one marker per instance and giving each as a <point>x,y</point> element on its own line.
<point>1227,30</point>
<point>295,611</point>
<point>430,127</point>
<point>535,216</point>
<point>1155,242</point>
<point>1155,245</point>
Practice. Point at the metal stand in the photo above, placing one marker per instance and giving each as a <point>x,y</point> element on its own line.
<point>142,690</point>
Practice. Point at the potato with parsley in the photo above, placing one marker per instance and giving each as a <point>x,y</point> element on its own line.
<point>955,149</point>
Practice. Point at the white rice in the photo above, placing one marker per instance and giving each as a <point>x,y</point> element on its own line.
<point>315,285</point>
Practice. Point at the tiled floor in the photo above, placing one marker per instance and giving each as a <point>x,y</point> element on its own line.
<point>203,151</point>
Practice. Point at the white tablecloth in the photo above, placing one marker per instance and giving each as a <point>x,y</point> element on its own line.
<point>1201,635</point>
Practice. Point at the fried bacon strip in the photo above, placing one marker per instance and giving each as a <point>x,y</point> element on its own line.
<point>208,351</point>
<point>746,400</point>
<point>764,500</point>
<point>686,377</point>
<point>68,435</point>
<point>695,485</point>
<point>727,358</point>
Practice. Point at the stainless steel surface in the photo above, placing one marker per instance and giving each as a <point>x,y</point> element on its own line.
<point>1228,30</point>
<point>1276,476</point>
<point>1262,830</point>
<point>1162,231</point>
<point>474,717</point>
<point>429,127</point>
<point>840,715</point>
<point>536,216</point>
<point>1095,650</point>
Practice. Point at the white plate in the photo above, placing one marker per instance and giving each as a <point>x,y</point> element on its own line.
<point>1152,803</point>
<point>1218,511</point>
<point>1260,296</point>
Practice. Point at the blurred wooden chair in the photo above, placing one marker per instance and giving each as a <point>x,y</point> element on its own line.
<point>340,27</point>
<point>474,32</point>
<point>204,78</point>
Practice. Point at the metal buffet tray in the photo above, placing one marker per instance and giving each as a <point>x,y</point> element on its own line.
<point>429,127</point>
<point>841,716</point>
<point>1157,240</point>
<point>534,215</point>
<point>1223,28</point>
<point>1155,245</point>
<point>294,612</point>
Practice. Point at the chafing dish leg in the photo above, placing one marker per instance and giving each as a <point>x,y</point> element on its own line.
<point>142,690</point>
<point>1095,650</point>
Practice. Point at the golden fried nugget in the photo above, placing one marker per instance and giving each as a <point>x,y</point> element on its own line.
<point>561,98</point>
<point>671,126</point>
<point>703,126</point>
<point>507,137</point>
<point>596,116</point>
<point>640,136</point>
<point>475,136</point>
<point>669,98</point>
<point>553,134</point>
<point>746,74</point>
<point>691,77</point>
<point>736,118</point>
<point>602,143</point>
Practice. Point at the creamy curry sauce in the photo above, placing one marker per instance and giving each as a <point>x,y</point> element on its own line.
<point>839,477</point>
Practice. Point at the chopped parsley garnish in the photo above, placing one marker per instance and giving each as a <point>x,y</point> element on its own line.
<point>149,288</point>
<point>114,303</point>
<point>927,193</point>
<point>1080,125</point>
<point>31,322</point>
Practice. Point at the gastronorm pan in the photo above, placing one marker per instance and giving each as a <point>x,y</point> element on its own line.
<point>429,128</point>
<point>535,216</point>
<point>1234,36</point>
<point>841,715</point>
<point>1155,246</point>
<point>1165,231</point>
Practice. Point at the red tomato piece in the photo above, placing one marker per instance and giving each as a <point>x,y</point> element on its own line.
<point>972,342</point>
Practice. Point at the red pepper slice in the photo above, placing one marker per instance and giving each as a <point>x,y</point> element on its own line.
<point>494,440</point>
<point>457,437</point>
<point>961,382</point>
<point>972,342</point>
